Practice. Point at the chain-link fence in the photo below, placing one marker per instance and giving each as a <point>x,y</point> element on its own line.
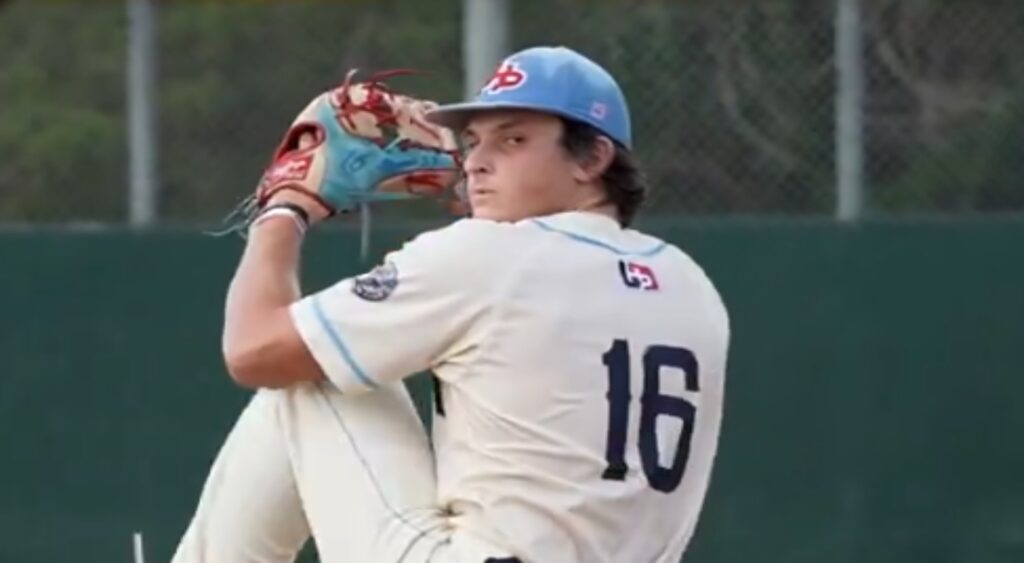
<point>946,106</point>
<point>734,102</point>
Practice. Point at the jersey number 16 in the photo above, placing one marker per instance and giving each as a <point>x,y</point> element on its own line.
<point>652,405</point>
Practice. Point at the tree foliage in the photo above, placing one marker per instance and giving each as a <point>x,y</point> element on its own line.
<point>733,101</point>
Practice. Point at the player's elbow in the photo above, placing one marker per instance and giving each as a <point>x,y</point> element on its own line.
<point>271,359</point>
<point>252,366</point>
<point>243,365</point>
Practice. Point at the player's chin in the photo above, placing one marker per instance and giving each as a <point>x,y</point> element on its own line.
<point>491,207</point>
<point>496,213</point>
<point>484,208</point>
<point>486,212</point>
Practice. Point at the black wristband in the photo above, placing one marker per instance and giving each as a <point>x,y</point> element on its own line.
<point>301,213</point>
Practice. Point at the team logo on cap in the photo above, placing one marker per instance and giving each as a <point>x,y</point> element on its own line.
<point>508,76</point>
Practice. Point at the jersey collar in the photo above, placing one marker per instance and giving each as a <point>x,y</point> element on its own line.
<point>598,230</point>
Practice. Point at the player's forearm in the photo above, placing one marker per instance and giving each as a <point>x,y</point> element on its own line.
<point>267,276</point>
<point>256,316</point>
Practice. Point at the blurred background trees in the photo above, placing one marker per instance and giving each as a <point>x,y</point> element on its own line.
<point>733,101</point>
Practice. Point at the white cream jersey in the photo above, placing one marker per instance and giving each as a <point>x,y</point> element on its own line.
<point>580,371</point>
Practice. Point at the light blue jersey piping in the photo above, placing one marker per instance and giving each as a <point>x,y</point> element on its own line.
<point>600,244</point>
<point>339,344</point>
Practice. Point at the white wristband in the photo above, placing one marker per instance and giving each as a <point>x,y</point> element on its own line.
<point>300,224</point>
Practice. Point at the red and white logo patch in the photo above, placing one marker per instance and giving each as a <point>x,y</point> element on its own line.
<point>638,276</point>
<point>598,110</point>
<point>292,169</point>
<point>507,77</point>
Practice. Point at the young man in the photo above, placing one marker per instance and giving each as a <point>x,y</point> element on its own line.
<point>580,363</point>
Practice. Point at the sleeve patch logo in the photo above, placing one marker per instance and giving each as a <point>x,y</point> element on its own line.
<point>638,276</point>
<point>378,284</point>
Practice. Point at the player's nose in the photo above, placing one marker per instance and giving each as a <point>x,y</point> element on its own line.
<point>476,162</point>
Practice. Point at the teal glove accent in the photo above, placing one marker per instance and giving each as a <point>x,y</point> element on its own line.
<point>355,166</point>
<point>355,145</point>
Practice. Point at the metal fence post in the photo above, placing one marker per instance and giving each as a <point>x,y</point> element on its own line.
<point>485,31</point>
<point>141,78</point>
<point>849,111</point>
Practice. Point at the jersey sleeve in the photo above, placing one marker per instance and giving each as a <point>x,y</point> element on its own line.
<point>426,302</point>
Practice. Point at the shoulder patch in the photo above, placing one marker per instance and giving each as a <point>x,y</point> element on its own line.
<point>377,284</point>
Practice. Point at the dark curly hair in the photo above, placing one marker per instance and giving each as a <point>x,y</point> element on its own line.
<point>624,182</point>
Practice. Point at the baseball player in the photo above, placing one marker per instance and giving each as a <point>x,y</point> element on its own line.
<point>579,364</point>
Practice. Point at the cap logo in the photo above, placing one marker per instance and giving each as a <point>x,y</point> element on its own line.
<point>508,76</point>
<point>598,110</point>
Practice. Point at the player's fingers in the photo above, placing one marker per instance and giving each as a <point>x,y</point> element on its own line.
<point>307,140</point>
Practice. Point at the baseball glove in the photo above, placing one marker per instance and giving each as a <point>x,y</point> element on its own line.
<point>368,145</point>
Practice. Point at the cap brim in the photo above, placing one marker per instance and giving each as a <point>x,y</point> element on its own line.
<point>457,116</point>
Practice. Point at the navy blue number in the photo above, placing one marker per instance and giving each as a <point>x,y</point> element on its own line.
<point>652,405</point>
<point>617,361</point>
<point>438,399</point>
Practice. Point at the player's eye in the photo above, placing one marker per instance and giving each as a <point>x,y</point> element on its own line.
<point>514,140</point>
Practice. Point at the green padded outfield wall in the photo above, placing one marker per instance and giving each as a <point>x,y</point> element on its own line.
<point>874,404</point>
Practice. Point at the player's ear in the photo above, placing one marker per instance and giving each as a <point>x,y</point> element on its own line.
<point>591,166</point>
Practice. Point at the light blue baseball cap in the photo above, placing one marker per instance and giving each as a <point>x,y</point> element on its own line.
<point>554,80</point>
